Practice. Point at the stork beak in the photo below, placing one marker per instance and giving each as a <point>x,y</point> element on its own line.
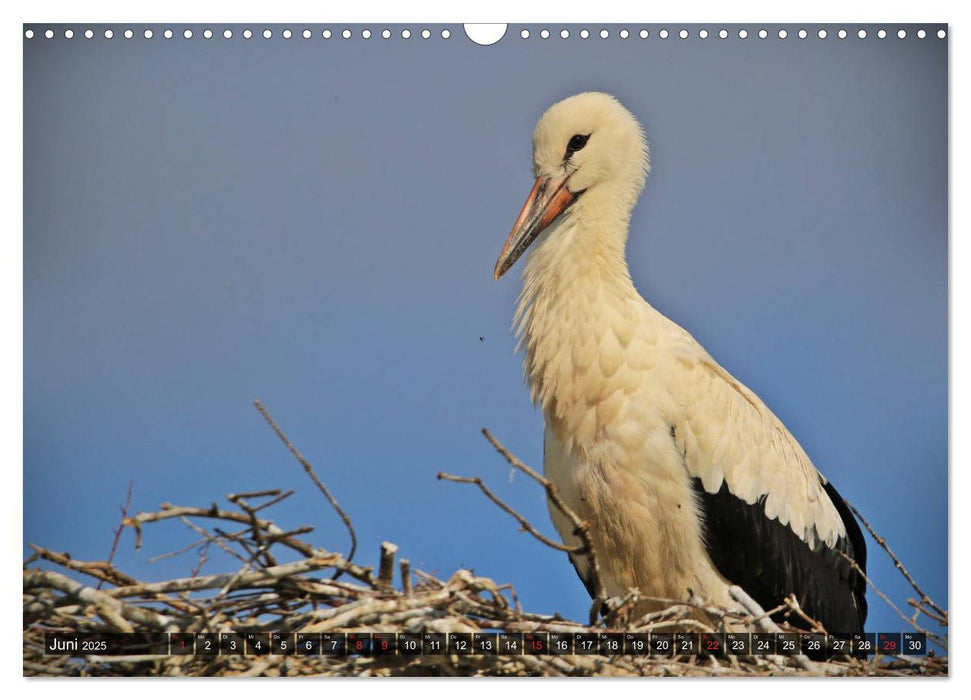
<point>549,198</point>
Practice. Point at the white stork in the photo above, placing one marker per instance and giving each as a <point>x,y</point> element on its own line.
<point>690,482</point>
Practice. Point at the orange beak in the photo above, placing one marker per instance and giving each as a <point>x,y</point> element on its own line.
<point>549,198</point>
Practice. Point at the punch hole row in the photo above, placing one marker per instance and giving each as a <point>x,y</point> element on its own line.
<point>245,34</point>
<point>524,34</point>
<point>725,33</point>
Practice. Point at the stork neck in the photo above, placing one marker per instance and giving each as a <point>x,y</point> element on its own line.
<point>576,292</point>
<point>585,254</point>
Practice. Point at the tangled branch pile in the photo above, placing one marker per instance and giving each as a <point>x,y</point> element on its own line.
<point>322,591</point>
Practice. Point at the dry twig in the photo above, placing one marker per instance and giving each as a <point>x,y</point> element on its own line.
<point>924,598</point>
<point>912,622</point>
<point>121,525</point>
<point>313,476</point>
<point>581,528</point>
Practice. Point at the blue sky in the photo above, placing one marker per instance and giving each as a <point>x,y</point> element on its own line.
<point>314,223</point>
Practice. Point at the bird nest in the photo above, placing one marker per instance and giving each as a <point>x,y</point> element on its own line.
<point>286,584</point>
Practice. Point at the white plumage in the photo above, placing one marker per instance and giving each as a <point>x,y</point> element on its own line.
<point>643,429</point>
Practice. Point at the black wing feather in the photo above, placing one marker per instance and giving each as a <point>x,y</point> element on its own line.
<point>770,561</point>
<point>587,579</point>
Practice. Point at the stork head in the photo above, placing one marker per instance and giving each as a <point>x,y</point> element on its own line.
<point>588,151</point>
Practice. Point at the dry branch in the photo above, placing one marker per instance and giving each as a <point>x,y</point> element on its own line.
<point>121,526</point>
<point>405,576</point>
<point>924,598</point>
<point>937,639</point>
<point>386,568</point>
<point>581,528</point>
<point>313,475</point>
<point>523,522</point>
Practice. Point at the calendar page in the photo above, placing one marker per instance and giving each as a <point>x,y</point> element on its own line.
<point>531,349</point>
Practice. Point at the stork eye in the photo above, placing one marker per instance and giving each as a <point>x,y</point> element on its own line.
<point>576,143</point>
